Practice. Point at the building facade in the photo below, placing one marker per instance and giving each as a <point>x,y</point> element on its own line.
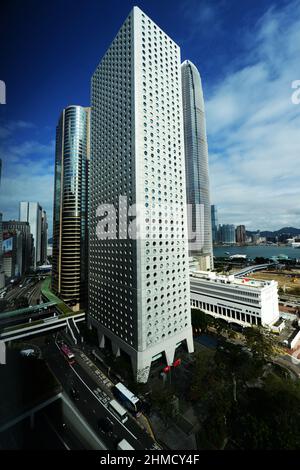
<point>17,248</point>
<point>241,234</point>
<point>214,223</point>
<point>196,163</point>
<point>139,282</point>
<point>226,234</point>
<point>69,263</point>
<point>44,237</point>
<point>31,212</point>
<point>243,301</point>
<point>2,277</point>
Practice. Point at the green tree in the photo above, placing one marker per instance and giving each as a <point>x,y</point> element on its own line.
<point>268,417</point>
<point>220,325</point>
<point>233,359</point>
<point>202,364</point>
<point>259,342</point>
<point>162,397</point>
<point>213,390</point>
<point>200,320</point>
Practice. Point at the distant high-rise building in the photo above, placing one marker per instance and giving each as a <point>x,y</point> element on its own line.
<point>31,212</point>
<point>196,163</point>
<point>2,278</point>
<point>69,264</point>
<point>226,233</point>
<point>44,237</point>
<point>17,248</point>
<point>139,295</point>
<point>214,223</point>
<point>256,237</point>
<point>241,234</point>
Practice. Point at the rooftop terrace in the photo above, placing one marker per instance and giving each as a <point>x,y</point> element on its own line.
<point>231,279</point>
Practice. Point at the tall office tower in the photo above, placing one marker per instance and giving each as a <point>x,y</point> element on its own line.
<point>44,237</point>
<point>196,165</point>
<point>70,203</point>
<point>17,247</point>
<point>214,223</point>
<point>226,233</point>
<point>2,278</point>
<point>139,295</point>
<point>241,234</point>
<point>31,212</point>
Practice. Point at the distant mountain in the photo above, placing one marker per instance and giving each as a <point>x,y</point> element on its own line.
<point>289,230</point>
<point>50,241</point>
<point>286,231</point>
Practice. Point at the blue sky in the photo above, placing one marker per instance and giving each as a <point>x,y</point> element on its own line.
<point>248,56</point>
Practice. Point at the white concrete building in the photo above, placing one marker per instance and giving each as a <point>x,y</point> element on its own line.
<point>139,293</point>
<point>293,242</point>
<point>244,301</point>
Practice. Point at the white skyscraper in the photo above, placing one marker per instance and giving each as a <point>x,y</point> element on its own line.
<point>139,285</point>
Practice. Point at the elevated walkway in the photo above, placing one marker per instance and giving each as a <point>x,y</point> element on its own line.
<point>253,269</point>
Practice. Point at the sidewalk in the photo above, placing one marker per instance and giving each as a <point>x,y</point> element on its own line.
<point>171,436</point>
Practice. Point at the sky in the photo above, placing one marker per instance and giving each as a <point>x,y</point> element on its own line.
<point>247,54</point>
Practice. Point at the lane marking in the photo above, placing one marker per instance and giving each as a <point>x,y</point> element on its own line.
<point>102,403</point>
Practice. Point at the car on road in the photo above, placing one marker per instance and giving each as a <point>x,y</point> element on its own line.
<point>106,426</point>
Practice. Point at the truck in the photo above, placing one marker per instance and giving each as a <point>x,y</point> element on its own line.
<point>124,445</point>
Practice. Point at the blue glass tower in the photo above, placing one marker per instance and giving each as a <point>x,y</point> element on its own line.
<point>196,164</point>
<point>70,205</point>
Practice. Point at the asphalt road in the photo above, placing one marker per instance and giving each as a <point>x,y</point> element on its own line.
<point>29,289</point>
<point>91,402</point>
<point>33,316</point>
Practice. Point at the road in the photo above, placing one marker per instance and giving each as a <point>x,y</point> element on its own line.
<point>28,317</point>
<point>93,400</point>
<point>31,288</point>
<point>34,294</point>
<point>290,363</point>
<point>289,299</point>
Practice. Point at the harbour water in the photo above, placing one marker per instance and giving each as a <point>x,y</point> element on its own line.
<point>266,251</point>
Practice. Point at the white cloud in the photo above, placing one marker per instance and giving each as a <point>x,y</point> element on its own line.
<point>27,172</point>
<point>8,128</point>
<point>202,16</point>
<point>253,127</point>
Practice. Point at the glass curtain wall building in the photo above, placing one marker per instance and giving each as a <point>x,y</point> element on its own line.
<point>196,164</point>
<point>69,265</point>
<point>31,212</point>
<point>44,237</point>
<point>227,233</point>
<point>214,223</point>
<point>2,278</point>
<point>139,295</point>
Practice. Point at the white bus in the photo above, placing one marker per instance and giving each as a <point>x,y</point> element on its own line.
<point>126,397</point>
<point>118,410</point>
